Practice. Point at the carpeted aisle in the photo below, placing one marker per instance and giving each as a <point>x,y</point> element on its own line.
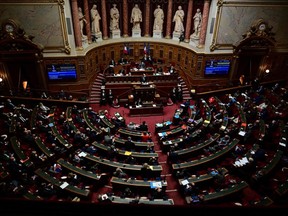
<point>168,112</point>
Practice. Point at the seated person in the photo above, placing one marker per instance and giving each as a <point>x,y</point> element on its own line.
<point>171,69</point>
<point>129,144</point>
<point>123,60</point>
<point>159,70</point>
<point>143,78</point>
<point>146,137</point>
<point>119,173</point>
<point>142,65</point>
<point>138,102</point>
<point>112,63</point>
<point>115,103</point>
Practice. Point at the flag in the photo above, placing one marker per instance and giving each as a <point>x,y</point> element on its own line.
<point>126,49</point>
<point>145,48</point>
<point>148,48</point>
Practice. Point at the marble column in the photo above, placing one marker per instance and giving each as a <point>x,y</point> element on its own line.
<point>204,24</point>
<point>189,21</point>
<point>147,18</point>
<point>125,18</point>
<point>76,25</point>
<point>104,20</point>
<point>169,19</point>
<point>87,24</point>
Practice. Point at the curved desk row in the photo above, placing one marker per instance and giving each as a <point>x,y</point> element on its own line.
<point>198,162</point>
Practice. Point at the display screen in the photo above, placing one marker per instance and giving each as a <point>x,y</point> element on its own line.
<point>217,67</point>
<point>61,72</point>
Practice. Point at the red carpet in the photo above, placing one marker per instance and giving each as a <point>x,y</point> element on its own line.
<point>172,188</point>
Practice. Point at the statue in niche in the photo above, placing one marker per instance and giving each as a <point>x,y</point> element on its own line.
<point>95,17</point>
<point>197,24</point>
<point>114,18</point>
<point>136,17</point>
<point>179,19</point>
<point>158,18</point>
<point>82,20</point>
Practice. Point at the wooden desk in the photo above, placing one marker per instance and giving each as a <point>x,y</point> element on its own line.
<point>123,183</point>
<point>44,175</point>
<point>198,162</point>
<point>146,111</point>
<point>43,147</point>
<point>89,123</point>
<point>117,199</point>
<point>156,171</point>
<point>136,155</point>
<point>186,151</point>
<point>225,192</point>
<point>21,155</point>
<point>55,131</point>
<point>78,170</point>
<point>142,145</point>
<point>201,178</point>
<point>132,133</point>
<point>269,166</point>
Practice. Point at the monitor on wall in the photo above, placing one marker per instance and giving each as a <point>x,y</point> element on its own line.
<point>217,67</point>
<point>61,72</point>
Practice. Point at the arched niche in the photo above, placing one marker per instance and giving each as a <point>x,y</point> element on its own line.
<point>21,59</point>
<point>251,54</point>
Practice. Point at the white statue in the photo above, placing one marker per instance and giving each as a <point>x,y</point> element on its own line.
<point>114,18</point>
<point>178,19</point>
<point>197,23</point>
<point>136,17</point>
<point>158,18</point>
<point>82,20</point>
<point>95,17</point>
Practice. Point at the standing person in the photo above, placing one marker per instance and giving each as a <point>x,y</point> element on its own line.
<point>114,18</point>
<point>95,17</point>
<point>178,19</point>
<point>82,20</point>
<point>197,22</point>
<point>136,17</point>
<point>158,18</point>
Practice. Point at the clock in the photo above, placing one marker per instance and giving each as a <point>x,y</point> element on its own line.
<point>9,28</point>
<point>262,27</point>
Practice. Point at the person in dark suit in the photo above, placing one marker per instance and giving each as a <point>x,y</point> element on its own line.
<point>143,126</point>
<point>122,61</point>
<point>143,78</point>
<point>112,63</point>
<point>129,144</point>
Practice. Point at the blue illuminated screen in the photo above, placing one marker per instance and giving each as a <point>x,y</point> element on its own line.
<point>61,72</point>
<point>217,67</point>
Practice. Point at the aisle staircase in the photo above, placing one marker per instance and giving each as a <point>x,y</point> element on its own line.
<point>95,92</point>
<point>185,90</point>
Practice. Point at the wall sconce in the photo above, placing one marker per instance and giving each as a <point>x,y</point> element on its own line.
<point>267,71</point>
<point>25,83</point>
<point>1,80</point>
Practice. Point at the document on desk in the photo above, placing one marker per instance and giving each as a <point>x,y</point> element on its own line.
<point>82,154</point>
<point>64,185</point>
<point>222,128</point>
<point>242,133</point>
<point>128,153</point>
<point>157,184</point>
<point>184,182</point>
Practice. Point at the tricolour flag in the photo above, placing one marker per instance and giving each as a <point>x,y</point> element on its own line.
<point>145,48</point>
<point>125,50</point>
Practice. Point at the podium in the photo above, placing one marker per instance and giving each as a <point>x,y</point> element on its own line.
<point>144,91</point>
